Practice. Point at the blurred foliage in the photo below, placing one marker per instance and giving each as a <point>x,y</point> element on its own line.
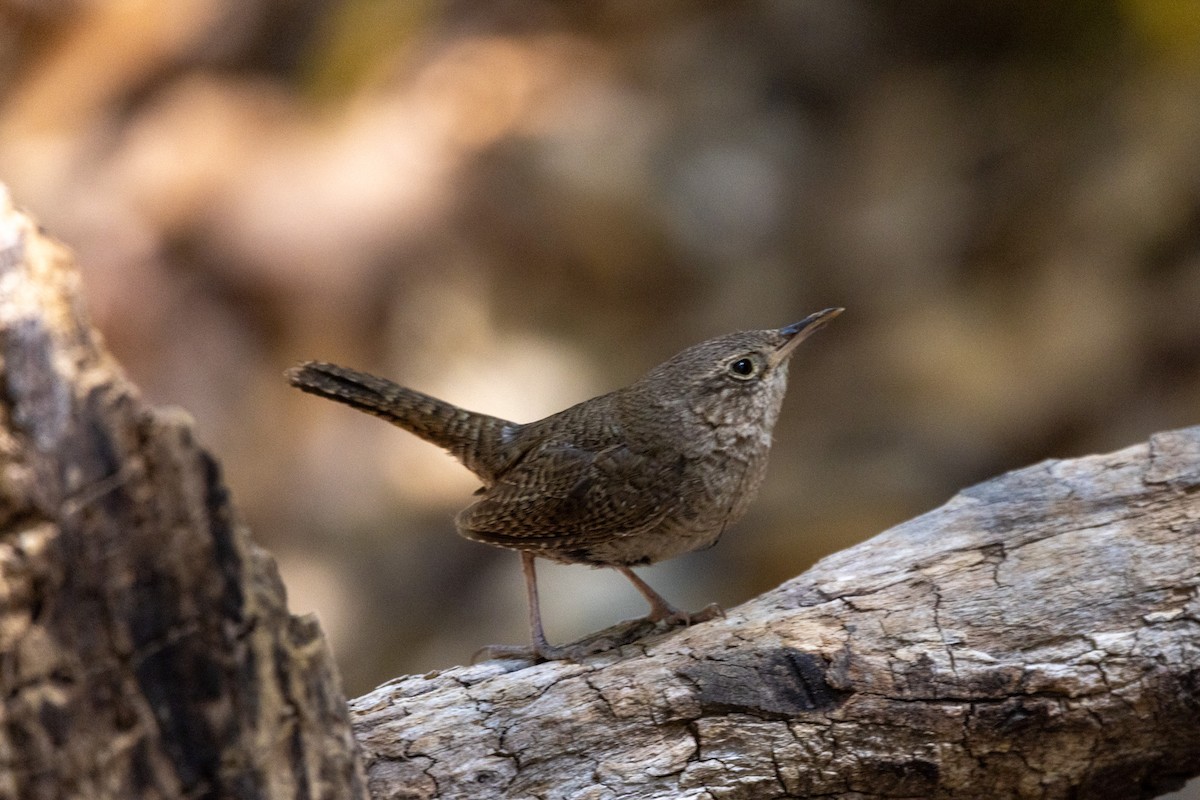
<point>517,205</point>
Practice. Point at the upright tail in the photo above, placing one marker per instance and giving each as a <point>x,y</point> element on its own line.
<point>477,440</point>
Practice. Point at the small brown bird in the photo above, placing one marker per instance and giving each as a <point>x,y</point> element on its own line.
<point>656,469</point>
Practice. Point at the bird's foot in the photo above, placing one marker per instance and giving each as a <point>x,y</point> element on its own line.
<point>618,635</point>
<point>546,652</point>
<point>610,638</point>
<point>517,651</point>
<point>673,616</point>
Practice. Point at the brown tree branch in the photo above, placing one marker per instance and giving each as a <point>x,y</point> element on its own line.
<point>145,645</point>
<point>1036,637</point>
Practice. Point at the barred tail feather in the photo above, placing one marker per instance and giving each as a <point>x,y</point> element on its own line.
<point>474,439</point>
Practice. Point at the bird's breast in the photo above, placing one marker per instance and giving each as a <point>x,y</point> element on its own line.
<point>709,494</point>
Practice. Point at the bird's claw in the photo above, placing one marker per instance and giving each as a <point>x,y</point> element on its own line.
<point>673,616</point>
<point>545,652</point>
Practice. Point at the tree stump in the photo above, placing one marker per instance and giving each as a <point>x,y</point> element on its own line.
<point>145,645</point>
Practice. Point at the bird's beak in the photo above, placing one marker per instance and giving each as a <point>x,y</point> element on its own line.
<point>797,332</point>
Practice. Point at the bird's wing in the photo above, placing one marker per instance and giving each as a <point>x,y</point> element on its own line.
<point>561,495</point>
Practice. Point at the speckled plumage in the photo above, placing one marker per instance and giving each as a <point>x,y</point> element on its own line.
<point>651,471</point>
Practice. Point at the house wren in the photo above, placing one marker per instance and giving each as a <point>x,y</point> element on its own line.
<point>656,469</point>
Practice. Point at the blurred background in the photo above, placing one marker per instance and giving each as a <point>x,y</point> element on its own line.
<point>518,205</point>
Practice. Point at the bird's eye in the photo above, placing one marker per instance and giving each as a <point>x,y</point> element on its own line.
<point>743,368</point>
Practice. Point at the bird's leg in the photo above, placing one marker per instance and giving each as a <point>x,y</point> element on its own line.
<point>541,650</point>
<point>660,609</point>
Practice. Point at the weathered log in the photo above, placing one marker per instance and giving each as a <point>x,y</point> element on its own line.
<point>145,645</point>
<point>1036,637</point>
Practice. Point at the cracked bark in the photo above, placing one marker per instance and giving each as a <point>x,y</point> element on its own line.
<point>1036,637</point>
<point>145,644</point>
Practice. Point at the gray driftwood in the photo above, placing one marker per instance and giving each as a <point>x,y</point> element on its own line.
<point>1036,637</point>
<point>145,645</point>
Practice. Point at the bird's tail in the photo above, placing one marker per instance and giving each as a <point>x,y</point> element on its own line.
<point>474,439</point>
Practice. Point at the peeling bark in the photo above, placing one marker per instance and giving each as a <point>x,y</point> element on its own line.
<point>145,644</point>
<point>1036,637</point>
